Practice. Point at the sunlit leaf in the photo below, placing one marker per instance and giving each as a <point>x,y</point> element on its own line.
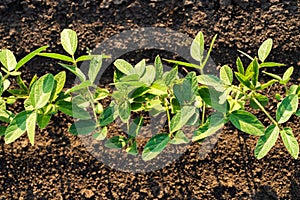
<point>290,142</point>
<point>246,122</point>
<point>41,91</point>
<point>8,59</point>
<point>265,49</point>
<point>266,142</point>
<point>69,41</point>
<point>30,126</point>
<point>287,108</point>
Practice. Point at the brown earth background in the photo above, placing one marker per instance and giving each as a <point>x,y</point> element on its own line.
<point>59,167</point>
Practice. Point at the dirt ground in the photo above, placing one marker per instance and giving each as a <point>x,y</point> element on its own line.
<point>60,167</point>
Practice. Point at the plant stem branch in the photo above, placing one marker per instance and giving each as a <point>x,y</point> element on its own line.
<point>92,103</point>
<point>264,110</point>
<point>168,113</point>
<point>203,113</point>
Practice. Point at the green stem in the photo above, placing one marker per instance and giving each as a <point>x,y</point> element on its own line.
<point>264,110</point>
<point>92,102</point>
<point>203,113</point>
<point>201,71</point>
<point>168,113</point>
<point>286,89</point>
<point>5,77</point>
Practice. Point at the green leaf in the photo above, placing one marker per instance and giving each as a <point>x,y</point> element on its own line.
<point>90,57</point>
<point>14,73</point>
<point>179,138</point>
<point>181,118</point>
<point>155,108</point>
<point>57,56</point>
<point>298,113</point>
<point>95,66</point>
<point>211,80</point>
<point>132,149</point>
<point>265,49</point>
<point>240,66</point>
<point>287,75</point>
<point>30,126</point>
<point>69,41</point>
<point>155,146</point>
<point>262,99</point>
<point>170,76</point>
<point>273,75</point>
<point>123,66</point>
<point>100,93</point>
<point>81,101</point>
<point>186,91</point>
<point>17,92</point>
<point>22,84</point>
<point>83,85</point>
<point>135,126</point>
<point>213,124</point>
<point>287,108</point>
<point>194,120</point>
<point>74,70</point>
<point>266,142</point>
<point>8,59</point>
<point>158,88</point>
<point>101,135</point>
<point>140,68</point>
<point>29,56</point>
<point>33,80</point>
<point>2,130</point>
<point>116,142</point>
<point>213,98</point>
<point>226,75</point>
<point>271,64</point>
<point>247,122</point>
<point>124,110</point>
<point>294,89</point>
<point>197,47</point>
<point>73,110</point>
<point>176,62</point>
<point>266,85</point>
<point>290,142</point>
<point>41,91</point>
<point>244,80</point>
<point>82,127</point>
<point>6,115</point>
<point>6,84</point>
<point>43,120</point>
<point>59,80</point>
<point>158,68</point>
<point>108,116</point>
<point>130,78</point>
<point>139,92</point>
<point>149,75</point>
<point>17,127</point>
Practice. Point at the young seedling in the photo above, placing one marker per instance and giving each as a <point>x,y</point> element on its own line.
<point>149,89</point>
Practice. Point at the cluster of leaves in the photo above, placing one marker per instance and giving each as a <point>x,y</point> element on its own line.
<point>43,96</point>
<point>229,99</point>
<point>149,89</point>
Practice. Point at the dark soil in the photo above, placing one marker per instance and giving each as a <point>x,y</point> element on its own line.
<point>60,167</point>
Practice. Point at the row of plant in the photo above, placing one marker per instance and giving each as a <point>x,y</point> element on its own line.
<point>149,89</point>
